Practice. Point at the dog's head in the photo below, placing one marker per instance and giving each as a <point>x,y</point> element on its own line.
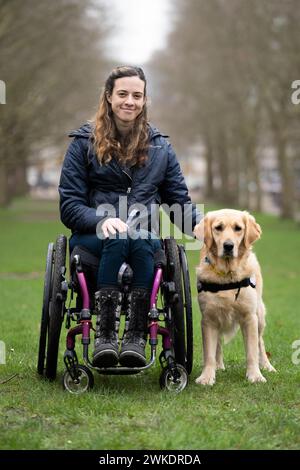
<point>227,233</point>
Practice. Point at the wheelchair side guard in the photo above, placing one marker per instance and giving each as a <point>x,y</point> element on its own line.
<point>88,263</point>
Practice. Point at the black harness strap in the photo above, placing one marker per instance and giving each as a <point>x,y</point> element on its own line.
<point>214,287</point>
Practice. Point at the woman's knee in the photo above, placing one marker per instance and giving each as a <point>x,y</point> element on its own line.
<point>89,241</point>
<point>145,242</point>
<point>116,246</point>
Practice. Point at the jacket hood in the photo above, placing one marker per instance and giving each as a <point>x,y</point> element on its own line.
<point>83,131</point>
<point>87,129</point>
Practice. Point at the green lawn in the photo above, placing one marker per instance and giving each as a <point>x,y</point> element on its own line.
<point>132,412</point>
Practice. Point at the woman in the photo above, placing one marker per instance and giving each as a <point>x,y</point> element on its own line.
<point>120,157</point>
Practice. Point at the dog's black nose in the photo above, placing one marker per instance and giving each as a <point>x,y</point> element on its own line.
<point>228,247</point>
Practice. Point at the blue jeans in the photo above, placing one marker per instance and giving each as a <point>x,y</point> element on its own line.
<point>113,253</point>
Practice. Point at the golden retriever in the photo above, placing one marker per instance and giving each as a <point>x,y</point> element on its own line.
<point>227,258</point>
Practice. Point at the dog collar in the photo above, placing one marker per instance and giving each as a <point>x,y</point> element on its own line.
<point>215,270</point>
<point>214,287</point>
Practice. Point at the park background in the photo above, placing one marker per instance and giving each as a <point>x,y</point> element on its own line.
<point>221,76</point>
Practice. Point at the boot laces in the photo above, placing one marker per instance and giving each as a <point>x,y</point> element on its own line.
<point>105,324</point>
<point>137,322</point>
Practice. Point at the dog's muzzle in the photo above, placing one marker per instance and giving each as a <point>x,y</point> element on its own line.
<point>228,248</point>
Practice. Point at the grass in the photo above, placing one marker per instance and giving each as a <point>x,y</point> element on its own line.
<point>132,412</point>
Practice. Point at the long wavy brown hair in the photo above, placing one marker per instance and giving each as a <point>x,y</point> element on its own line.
<point>134,148</point>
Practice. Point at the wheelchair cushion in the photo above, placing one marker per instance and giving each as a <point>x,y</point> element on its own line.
<point>89,263</point>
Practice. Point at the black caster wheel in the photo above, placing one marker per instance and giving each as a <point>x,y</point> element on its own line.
<point>173,380</point>
<point>84,382</point>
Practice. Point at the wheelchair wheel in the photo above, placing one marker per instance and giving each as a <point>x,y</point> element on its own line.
<point>84,382</point>
<point>181,323</point>
<point>187,299</point>
<point>45,310</point>
<point>57,306</point>
<point>174,381</point>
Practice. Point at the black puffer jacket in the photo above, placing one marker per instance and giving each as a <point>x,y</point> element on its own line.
<point>86,186</point>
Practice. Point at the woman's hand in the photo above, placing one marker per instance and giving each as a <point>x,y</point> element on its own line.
<point>113,225</point>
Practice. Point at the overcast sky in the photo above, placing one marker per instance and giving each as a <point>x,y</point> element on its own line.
<point>140,27</point>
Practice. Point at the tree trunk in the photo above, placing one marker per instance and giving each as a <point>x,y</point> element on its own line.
<point>287,183</point>
<point>19,179</point>
<point>257,200</point>
<point>226,194</point>
<point>209,183</point>
<point>4,192</point>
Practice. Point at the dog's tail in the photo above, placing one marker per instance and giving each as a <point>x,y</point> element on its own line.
<point>229,335</point>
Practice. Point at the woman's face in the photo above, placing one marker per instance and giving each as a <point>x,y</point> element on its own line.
<point>127,99</point>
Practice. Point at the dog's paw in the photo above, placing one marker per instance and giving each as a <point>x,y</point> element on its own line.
<point>220,366</point>
<point>255,377</point>
<point>268,367</point>
<point>206,379</point>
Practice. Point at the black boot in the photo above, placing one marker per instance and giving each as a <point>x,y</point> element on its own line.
<point>108,306</point>
<point>135,336</point>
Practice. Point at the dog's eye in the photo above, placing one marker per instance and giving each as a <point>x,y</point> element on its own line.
<point>219,228</point>
<point>237,228</point>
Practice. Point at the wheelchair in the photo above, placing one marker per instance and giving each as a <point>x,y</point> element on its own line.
<point>170,316</point>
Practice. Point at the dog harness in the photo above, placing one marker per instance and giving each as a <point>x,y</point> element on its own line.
<point>215,287</point>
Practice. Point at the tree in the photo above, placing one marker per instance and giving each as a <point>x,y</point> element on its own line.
<point>226,78</point>
<point>52,63</point>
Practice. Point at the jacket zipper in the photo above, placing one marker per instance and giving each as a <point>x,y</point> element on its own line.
<point>128,187</point>
<point>127,174</point>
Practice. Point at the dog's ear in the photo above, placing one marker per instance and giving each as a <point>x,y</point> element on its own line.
<point>252,230</point>
<point>202,231</point>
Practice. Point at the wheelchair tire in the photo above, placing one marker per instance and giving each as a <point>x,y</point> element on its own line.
<point>188,309</point>
<point>57,306</point>
<point>45,310</point>
<point>84,384</point>
<point>167,382</point>
<point>177,327</point>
